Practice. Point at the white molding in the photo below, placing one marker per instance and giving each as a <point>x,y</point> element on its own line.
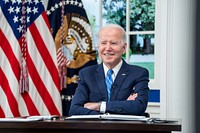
<point>169,58</point>
<point>161,52</point>
<point>153,104</point>
<point>127,29</point>
<point>154,110</point>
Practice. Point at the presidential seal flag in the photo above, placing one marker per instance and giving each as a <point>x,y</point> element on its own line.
<point>73,34</point>
<point>29,79</point>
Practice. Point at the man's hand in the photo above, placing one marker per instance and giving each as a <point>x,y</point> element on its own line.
<point>92,106</point>
<point>132,96</point>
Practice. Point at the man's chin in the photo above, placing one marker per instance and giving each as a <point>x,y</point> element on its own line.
<point>109,63</point>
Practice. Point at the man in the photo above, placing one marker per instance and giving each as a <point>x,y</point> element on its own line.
<point>129,92</point>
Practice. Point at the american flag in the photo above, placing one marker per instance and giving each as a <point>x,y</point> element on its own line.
<point>25,37</point>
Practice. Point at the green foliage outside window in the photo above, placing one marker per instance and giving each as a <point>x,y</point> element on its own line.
<point>142,13</point>
<point>142,18</point>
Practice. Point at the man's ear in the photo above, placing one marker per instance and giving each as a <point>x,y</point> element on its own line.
<point>124,46</point>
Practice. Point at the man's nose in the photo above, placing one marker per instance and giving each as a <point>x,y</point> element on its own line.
<point>108,46</point>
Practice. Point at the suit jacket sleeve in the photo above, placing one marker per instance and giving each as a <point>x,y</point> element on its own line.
<point>81,97</point>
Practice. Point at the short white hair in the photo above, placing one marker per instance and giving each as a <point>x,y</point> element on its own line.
<point>115,26</point>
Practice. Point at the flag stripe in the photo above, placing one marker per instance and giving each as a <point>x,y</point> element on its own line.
<point>4,105</point>
<point>22,106</point>
<point>44,73</point>
<point>41,87</point>
<point>7,90</point>
<point>39,42</point>
<point>45,17</point>
<point>10,55</point>
<point>32,110</point>
<point>36,66</point>
<point>49,42</point>
<point>13,82</point>
<point>38,101</point>
<point>1,112</point>
<point>47,62</point>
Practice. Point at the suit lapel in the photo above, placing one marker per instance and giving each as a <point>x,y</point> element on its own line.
<point>100,78</point>
<point>122,74</point>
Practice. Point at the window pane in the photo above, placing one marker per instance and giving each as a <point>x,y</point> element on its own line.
<point>142,52</point>
<point>142,15</point>
<point>114,11</point>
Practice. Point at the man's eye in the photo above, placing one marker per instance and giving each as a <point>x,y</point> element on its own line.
<point>113,43</point>
<point>103,43</point>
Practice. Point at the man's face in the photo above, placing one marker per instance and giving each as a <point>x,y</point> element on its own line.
<point>111,46</point>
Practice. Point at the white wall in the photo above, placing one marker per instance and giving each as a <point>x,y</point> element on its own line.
<point>177,85</point>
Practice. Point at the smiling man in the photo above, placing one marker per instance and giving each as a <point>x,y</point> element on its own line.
<point>113,86</point>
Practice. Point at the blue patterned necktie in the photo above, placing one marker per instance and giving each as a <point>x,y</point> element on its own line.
<point>109,82</point>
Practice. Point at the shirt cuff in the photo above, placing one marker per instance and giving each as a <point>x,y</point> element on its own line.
<point>102,107</point>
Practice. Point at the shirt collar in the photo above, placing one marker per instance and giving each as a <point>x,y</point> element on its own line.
<point>115,69</point>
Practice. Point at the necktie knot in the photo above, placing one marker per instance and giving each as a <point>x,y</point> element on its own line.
<point>110,72</point>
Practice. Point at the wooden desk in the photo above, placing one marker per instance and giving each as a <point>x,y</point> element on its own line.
<point>87,126</point>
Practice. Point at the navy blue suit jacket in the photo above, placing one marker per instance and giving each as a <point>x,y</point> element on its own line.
<point>92,88</point>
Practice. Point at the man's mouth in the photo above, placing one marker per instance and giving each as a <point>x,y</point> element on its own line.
<point>108,54</point>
